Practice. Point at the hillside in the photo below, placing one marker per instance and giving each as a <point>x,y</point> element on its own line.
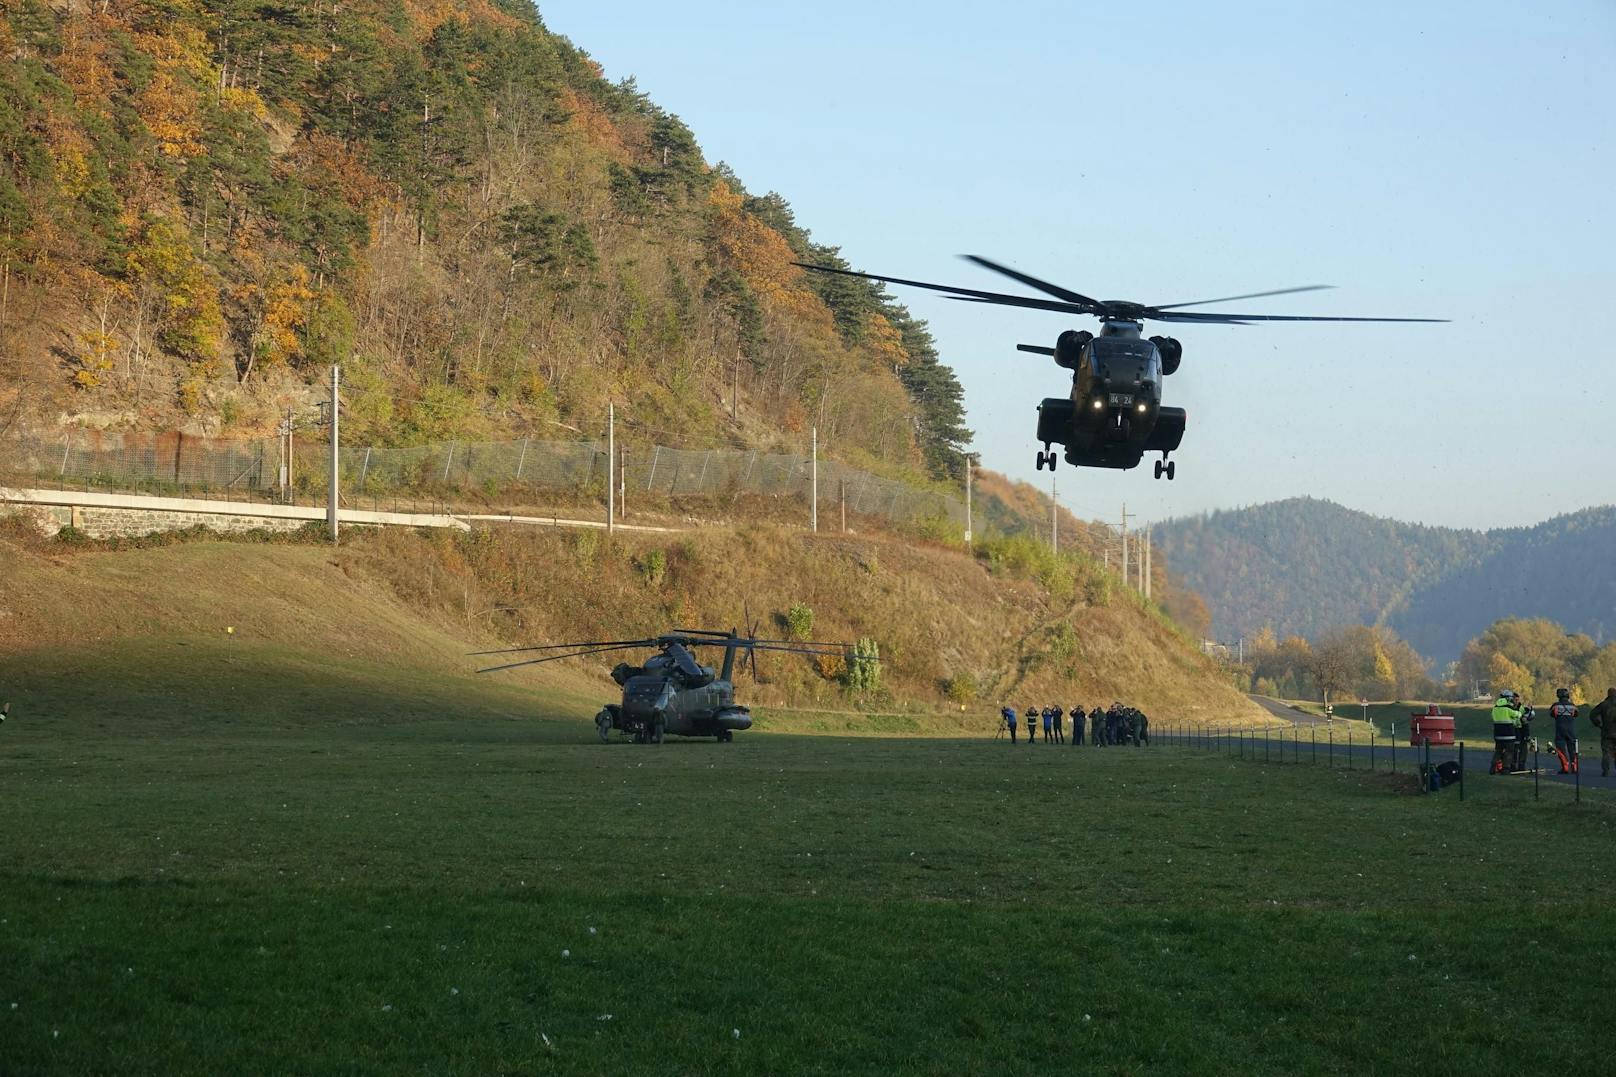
<point>1304,566</point>
<point>949,629</point>
<point>205,203</point>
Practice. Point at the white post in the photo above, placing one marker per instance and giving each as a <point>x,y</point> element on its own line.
<point>813,484</point>
<point>336,460</point>
<point>1150,558</point>
<point>611,468</point>
<point>1124,542</point>
<point>1054,518</point>
<point>967,499</point>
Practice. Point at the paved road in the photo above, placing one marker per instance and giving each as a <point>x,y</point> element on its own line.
<point>1477,759</point>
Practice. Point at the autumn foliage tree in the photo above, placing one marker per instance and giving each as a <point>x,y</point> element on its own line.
<point>445,197</point>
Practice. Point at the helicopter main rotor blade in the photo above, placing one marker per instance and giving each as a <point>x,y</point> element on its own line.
<point>1248,295</point>
<point>973,294</point>
<point>558,657</point>
<point>567,646</point>
<point>1030,303</point>
<point>1033,282</point>
<point>1242,319</point>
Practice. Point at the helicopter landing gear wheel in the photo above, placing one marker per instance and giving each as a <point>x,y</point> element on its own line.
<point>603,724</point>
<point>657,728</point>
<point>1047,459</point>
<point>726,735</point>
<point>1165,467</point>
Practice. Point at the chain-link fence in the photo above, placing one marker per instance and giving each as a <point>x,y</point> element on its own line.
<point>508,472</point>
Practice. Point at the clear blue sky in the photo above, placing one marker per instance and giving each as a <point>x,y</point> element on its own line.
<point>1429,159</point>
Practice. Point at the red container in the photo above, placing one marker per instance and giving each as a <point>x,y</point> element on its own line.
<point>1430,726</point>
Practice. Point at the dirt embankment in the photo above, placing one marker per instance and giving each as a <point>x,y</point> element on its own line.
<point>950,628</point>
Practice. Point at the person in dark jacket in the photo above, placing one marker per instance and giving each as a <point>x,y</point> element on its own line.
<point>1141,728</point>
<point>1603,716</point>
<point>1080,719</point>
<point>1564,713</point>
<point>1031,714</point>
<point>1009,716</point>
<point>1060,726</point>
<point>1097,727</point>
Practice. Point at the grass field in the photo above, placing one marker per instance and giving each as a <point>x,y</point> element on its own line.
<point>235,857</point>
<point>1473,722</point>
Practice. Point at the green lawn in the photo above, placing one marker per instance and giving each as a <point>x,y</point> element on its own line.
<point>233,859</point>
<point>1473,722</point>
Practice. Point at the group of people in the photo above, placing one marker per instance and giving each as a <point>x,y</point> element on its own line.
<point>1116,724</point>
<point>1512,731</point>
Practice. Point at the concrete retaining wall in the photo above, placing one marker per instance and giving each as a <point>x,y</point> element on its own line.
<point>127,523</point>
<point>103,515</point>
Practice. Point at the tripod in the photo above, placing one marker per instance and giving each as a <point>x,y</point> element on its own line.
<point>1004,727</point>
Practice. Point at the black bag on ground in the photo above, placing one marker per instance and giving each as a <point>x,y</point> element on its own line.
<point>1448,773</point>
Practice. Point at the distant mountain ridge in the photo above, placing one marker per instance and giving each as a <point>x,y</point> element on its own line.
<point>1303,566</point>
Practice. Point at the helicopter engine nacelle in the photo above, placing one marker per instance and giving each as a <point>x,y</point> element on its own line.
<point>1172,353</point>
<point>1069,348</point>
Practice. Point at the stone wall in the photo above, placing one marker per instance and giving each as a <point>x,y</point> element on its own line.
<point>127,523</point>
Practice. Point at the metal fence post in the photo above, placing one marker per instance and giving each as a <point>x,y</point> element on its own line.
<point>656,452</point>
<point>448,460</point>
<point>1536,779</point>
<point>1576,769</point>
<point>1331,753</point>
<point>1313,733</point>
<point>364,470</point>
<point>520,460</point>
<point>1371,749</point>
<point>1461,770</point>
<point>1349,749</point>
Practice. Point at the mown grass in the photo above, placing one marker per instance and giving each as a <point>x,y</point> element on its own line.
<point>239,857</point>
<point>1473,722</point>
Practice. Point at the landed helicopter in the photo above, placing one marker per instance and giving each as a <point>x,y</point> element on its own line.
<point>671,693</point>
<point>1114,414</point>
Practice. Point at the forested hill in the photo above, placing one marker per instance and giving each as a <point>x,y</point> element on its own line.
<point>204,203</point>
<point>1303,566</point>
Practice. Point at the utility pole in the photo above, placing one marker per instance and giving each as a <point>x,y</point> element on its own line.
<point>1054,517</point>
<point>622,481</point>
<point>813,483</point>
<point>334,493</point>
<point>288,454</point>
<point>611,467</point>
<point>1124,542</point>
<point>967,499</point>
<point>1150,562</point>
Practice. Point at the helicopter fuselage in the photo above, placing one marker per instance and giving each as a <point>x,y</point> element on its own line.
<point>673,694</point>
<point>1114,413</point>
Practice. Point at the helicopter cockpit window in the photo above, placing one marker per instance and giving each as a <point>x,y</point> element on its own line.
<point>1124,358</point>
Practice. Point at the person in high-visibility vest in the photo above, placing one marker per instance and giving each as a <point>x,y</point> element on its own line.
<point>1506,720</point>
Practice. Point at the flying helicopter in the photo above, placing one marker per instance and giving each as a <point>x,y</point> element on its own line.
<point>671,692</point>
<point>1115,411</point>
